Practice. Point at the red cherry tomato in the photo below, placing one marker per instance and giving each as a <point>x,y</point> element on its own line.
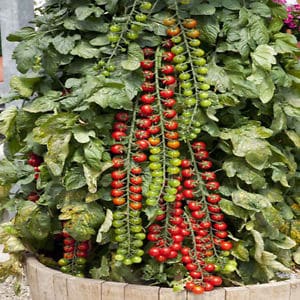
<point>122,117</point>
<point>166,93</point>
<point>117,149</point>
<point>167,69</point>
<point>147,64</point>
<point>148,98</point>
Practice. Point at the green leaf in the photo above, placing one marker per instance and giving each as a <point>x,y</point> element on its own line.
<point>264,57</point>
<point>85,50</point>
<point>273,217</point>
<point>74,178</point>
<point>279,120</point>
<point>103,271</point>
<point>285,43</point>
<point>232,4</point>
<point>296,256</point>
<point>203,9</point>
<point>217,76</point>
<point>91,177</point>
<point>24,85</point>
<point>229,208</point>
<point>93,152</point>
<point>45,103</point>
<point>7,121</point>
<point>135,56</point>
<point>113,97</point>
<point>105,227</point>
<point>58,151</point>
<point>9,173</point>
<point>259,245</point>
<point>81,219</point>
<point>258,30</point>
<point>249,201</point>
<point>22,34</point>
<point>25,54</point>
<point>266,90</point>
<point>239,86</point>
<point>81,135</point>
<point>261,9</point>
<point>237,167</point>
<point>65,44</point>
<point>294,137</point>
<point>82,12</point>
<point>100,40</point>
<point>285,243</point>
<point>240,252</point>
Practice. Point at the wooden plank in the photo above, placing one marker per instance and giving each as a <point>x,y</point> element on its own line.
<point>237,293</point>
<point>217,294</point>
<point>60,286</point>
<point>141,292</point>
<point>32,278</point>
<point>274,291</point>
<point>81,289</point>
<point>113,291</point>
<point>295,289</point>
<point>168,294</point>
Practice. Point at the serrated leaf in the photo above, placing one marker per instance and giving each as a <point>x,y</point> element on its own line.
<point>135,56</point>
<point>249,201</point>
<point>106,225</point>
<point>74,179</point>
<point>7,121</point>
<point>24,85</point>
<point>85,50</point>
<point>65,44</point>
<point>264,57</point>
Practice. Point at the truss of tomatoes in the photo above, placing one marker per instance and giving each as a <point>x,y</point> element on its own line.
<point>189,222</point>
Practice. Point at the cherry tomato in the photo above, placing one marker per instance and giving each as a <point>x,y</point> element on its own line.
<point>173,144</point>
<point>136,180</point>
<point>122,117</point>
<point>120,126</point>
<point>118,135</point>
<point>153,130</point>
<point>154,251</point>
<point>193,33</point>
<point>222,226</point>
<point>117,175</point>
<point>170,102</point>
<point>168,56</point>
<point>212,185</point>
<point>226,246</point>
<point>83,246</point>
<point>142,134</point>
<point>166,93</point>
<point>118,201</point>
<point>198,289</point>
<point>69,248</point>
<point>147,64</point>
<point>154,141</point>
<point>168,80</point>
<point>33,196</point>
<point>69,241</point>
<point>169,21</point>
<point>188,172</point>
<point>190,183</point>
<point>148,75</point>
<point>213,198</point>
<point>173,31</point>
<point>139,157</point>
<point>155,119</point>
<point>117,149</point>
<point>136,197</point>
<point>189,23</point>
<point>148,87</point>
<point>68,255</point>
<point>148,98</point>
<point>118,162</point>
<point>117,193</point>
<point>172,135</point>
<point>198,146</point>
<point>188,194</point>
<point>221,234</point>
<point>171,125</point>
<point>167,69</point>
<point>205,164</point>
<point>140,17</point>
<point>142,144</point>
<point>115,28</point>
<point>194,205</point>
<point>148,52</point>
<point>208,176</point>
<point>136,205</point>
<point>146,110</point>
<point>201,155</point>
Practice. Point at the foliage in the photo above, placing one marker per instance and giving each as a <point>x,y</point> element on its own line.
<point>75,77</point>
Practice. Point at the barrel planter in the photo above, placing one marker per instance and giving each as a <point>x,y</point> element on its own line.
<point>49,284</point>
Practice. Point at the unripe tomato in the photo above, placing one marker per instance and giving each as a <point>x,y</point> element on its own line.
<point>190,23</point>
<point>173,31</point>
<point>169,21</point>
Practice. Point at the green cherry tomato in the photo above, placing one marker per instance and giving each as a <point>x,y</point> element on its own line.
<point>155,166</point>
<point>132,35</point>
<point>198,52</point>
<point>136,228</point>
<point>119,257</point>
<point>63,262</point>
<point>192,136</point>
<point>200,78</point>
<point>146,5</point>
<point>186,121</point>
<point>121,251</point>
<point>139,252</point>
<point>136,220</point>
<point>141,18</point>
<point>186,85</point>
<point>135,27</point>
<point>203,95</point>
<point>194,42</point>
<point>80,260</point>
<point>175,162</point>
<point>134,213</point>
<point>171,190</point>
<point>140,236</point>
<point>173,153</point>
<point>115,28</point>
<point>137,243</point>
<point>187,114</point>
<point>121,238</point>
<point>157,173</point>
<point>154,186</point>
<point>196,130</point>
<point>178,59</point>
<point>177,49</point>
<point>154,158</point>
<point>152,194</point>
<point>118,215</point>
<point>202,70</point>
<point>169,198</point>
<point>189,102</point>
<point>111,68</point>
<point>205,103</point>
<point>66,269</point>
<point>136,259</point>
<point>188,92</point>
<point>176,39</point>
<point>184,76</point>
<point>174,183</point>
<point>204,86</point>
<point>155,150</point>
<point>120,230</point>
<point>173,170</point>
<point>181,67</point>
<point>113,37</point>
<point>127,262</point>
<point>151,201</point>
<point>118,223</point>
<point>200,61</point>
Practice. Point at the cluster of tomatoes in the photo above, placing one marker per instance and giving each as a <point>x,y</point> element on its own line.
<point>126,185</point>
<point>131,28</point>
<point>35,161</point>
<point>74,257</point>
<point>187,56</point>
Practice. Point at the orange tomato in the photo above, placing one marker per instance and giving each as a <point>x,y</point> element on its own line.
<point>173,144</point>
<point>118,201</point>
<point>169,21</point>
<point>154,141</point>
<point>173,31</point>
<point>135,205</point>
<point>193,33</point>
<point>190,23</point>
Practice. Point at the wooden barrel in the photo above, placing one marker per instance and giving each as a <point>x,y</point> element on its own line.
<point>48,284</point>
